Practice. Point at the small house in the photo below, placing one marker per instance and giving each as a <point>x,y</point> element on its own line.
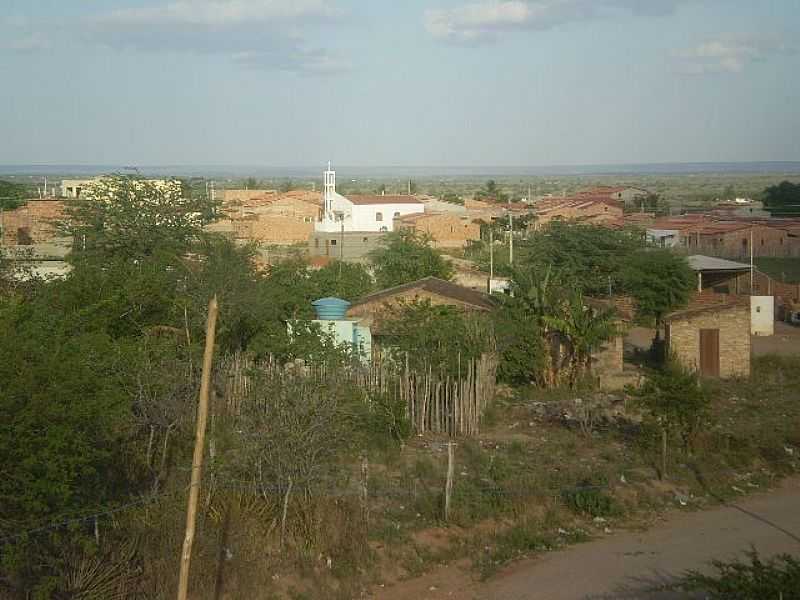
<point>369,309</point>
<point>712,335</point>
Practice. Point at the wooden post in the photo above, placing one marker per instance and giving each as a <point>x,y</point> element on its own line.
<point>285,510</point>
<point>448,488</point>
<point>663,452</point>
<point>364,490</point>
<point>199,444</point>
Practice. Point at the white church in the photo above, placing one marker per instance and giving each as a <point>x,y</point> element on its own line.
<point>359,213</point>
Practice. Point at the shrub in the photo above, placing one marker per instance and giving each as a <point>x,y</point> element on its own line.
<point>752,579</point>
<point>589,499</point>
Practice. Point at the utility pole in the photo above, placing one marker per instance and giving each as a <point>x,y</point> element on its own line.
<point>751,259</point>
<point>199,447</point>
<point>491,257</point>
<point>511,239</point>
<point>341,248</point>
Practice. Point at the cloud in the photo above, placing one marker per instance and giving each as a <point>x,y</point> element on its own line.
<point>729,54</point>
<point>29,42</point>
<point>486,21</point>
<point>218,14</point>
<point>263,34</point>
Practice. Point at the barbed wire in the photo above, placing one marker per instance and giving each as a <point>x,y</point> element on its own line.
<point>331,486</point>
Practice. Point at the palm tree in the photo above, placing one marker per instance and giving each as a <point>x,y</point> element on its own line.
<point>583,330</point>
<point>539,294</point>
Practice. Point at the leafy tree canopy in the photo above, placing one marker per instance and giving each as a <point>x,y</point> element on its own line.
<point>659,280</point>
<point>407,256</point>
<point>123,217</point>
<point>12,195</point>
<point>783,199</point>
<point>442,337</point>
<point>585,256</point>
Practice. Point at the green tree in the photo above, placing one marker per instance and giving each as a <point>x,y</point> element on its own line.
<point>729,193</point>
<point>520,343</point>
<point>537,294</point>
<point>583,330</point>
<point>659,280</point>
<point>340,279</point>
<point>492,191</point>
<point>251,183</point>
<point>587,257</point>
<point>676,401</point>
<point>12,195</point>
<point>407,256</point>
<point>443,338</point>
<point>783,200</point>
<point>122,217</point>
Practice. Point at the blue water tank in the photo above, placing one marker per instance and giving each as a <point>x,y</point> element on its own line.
<point>330,309</point>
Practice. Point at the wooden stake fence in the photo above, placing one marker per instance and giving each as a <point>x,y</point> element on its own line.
<point>434,403</point>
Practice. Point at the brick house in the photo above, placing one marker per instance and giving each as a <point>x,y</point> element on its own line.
<point>272,229</point>
<point>372,307</point>
<point>271,218</point>
<point>585,210</point>
<point>627,195</point>
<point>712,335</point>
<point>33,223</point>
<point>237,197</point>
<point>732,239</point>
<point>448,230</point>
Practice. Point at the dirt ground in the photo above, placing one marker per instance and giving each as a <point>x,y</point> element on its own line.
<point>786,341</point>
<point>628,564</point>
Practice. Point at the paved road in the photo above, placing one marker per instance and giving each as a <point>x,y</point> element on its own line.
<point>622,566</point>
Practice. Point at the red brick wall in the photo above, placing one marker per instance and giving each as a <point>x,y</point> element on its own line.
<point>36,219</point>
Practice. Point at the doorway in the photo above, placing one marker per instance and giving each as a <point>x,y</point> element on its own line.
<point>709,352</point>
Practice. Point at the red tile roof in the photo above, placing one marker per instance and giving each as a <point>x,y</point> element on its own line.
<point>367,200</point>
<point>708,301</point>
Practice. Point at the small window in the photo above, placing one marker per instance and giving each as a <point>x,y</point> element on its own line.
<point>333,242</point>
<point>397,214</point>
<point>758,309</point>
<point>379,216</point>
<point>316,243</point>
<point>365,240</point>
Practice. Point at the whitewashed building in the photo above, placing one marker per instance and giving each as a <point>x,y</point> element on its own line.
<point>362,213</point>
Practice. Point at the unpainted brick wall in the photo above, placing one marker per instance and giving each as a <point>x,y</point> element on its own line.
<point>734,339</point>
<point>36,219</point>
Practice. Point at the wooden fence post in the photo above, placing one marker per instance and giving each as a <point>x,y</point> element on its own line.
<point>364,490</point>
<point>448,488</point>
<point>285,510</point>
<point>199,446</point>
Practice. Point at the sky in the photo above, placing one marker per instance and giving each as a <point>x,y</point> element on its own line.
<point>398,82</point>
